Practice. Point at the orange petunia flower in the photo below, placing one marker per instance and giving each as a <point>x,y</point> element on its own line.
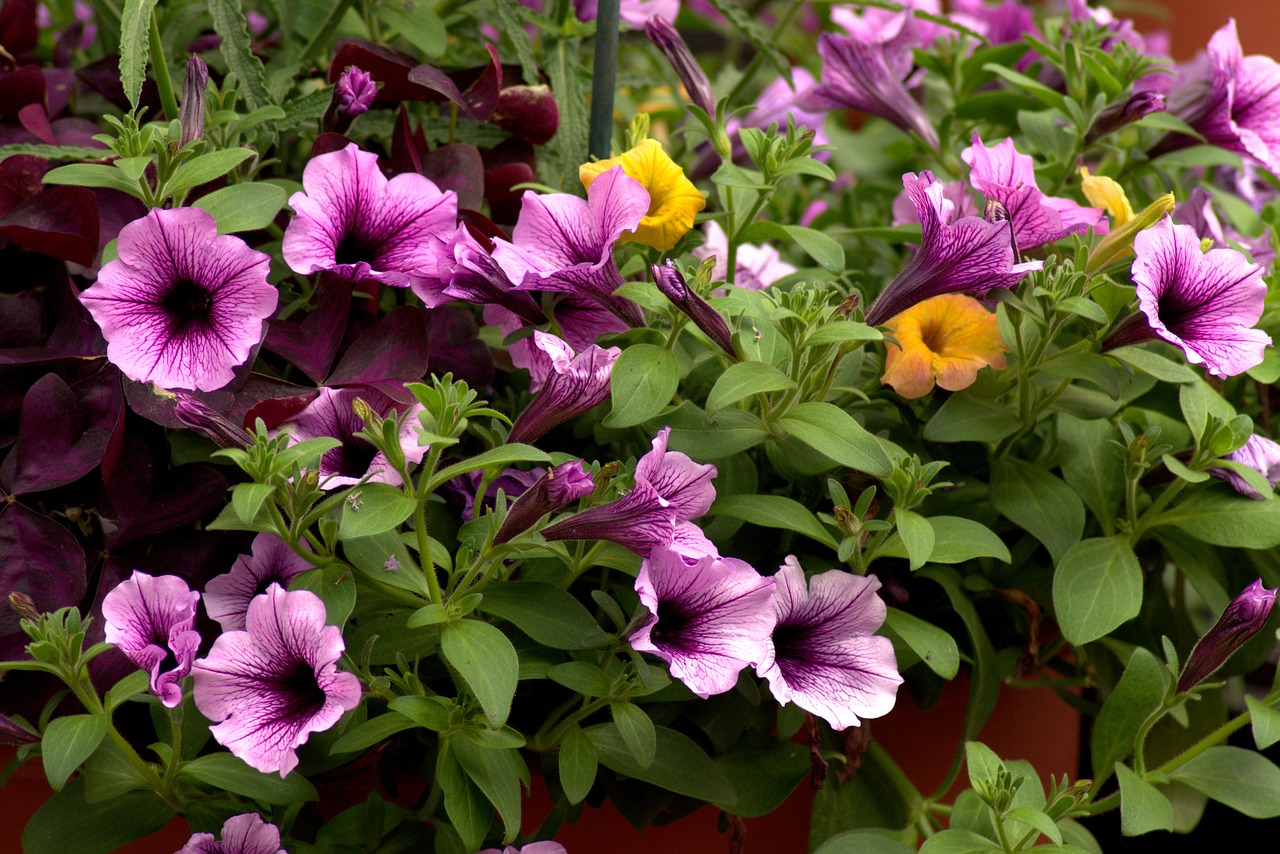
<point>673,200</point>
<point>946,339</point>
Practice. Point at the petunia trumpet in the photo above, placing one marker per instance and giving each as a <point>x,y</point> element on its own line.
<point>709,619</point>
<point>567,385</point>
<point>271,561</point>
<point>152,621</point>
<point>824,655</point>
<point>559,487</point>
<point>269,687</point>
<point>246,833</point>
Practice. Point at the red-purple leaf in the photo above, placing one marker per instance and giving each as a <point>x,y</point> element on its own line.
<point>478,100</point>
<point>312,343</point>
<point>457,167</point>
<point>61,222</point>
<point>40,558</point>
<point>394,349</point>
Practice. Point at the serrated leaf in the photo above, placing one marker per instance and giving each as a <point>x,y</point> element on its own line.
<point>135,49</point>
<point>229,21</point>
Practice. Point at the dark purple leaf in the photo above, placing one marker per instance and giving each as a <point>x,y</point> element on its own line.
<point>156,405</point>
<point>34,118</point>
<point>63,431</point>
<point>275,410</point>
<point>504,202</point>
<point>20,321</point>
<point>18,30</point>
<point>115,211</point>
<point>270,399</point>
<point>20,88</point>
<point>482,228</point>
<point>75,337</point>
<point>312,343</point>
<point>40,558</point>
<point>388,66</point>
<point>59,84</point>
<point>61,222</point>
<point>457,167</point>
<point>529,112</point>
<point>328,142</point>
<point>408,145</point>
<point>456,347</point>
<point>394,349</point>
<point>478,100</point>
<point>20,180</point>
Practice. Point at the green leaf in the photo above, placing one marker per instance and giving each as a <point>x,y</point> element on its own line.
<point>336,587</point>
<point>206,167</point>
<point>244,207</point>
<point>751,29</point>
<point>827,252</point>
<point>955,540</point>
<point>1037,819</point>
<point>679,765</point>
<point>985,688</point>
<point>224,771</point>
<point>512,25</point>
<point>371,556</point>
<point>1039,503</point>
<point>774,511</point>
<point>834,433</point>
<point>1091,465</point>
<point>497,772</point>
<point>1143,807</point>
<point>372,508</point>
<point>916,535</point>
<point>1136,695</point>
<point>427,712</point>
<point>1217,515</point>
<point>744,379</point>
<point>863,842</point>
<point>92,175</point>
<point>1154,365</point>
<point>69,741</point>
<point>1265,720</point>
<point>371,732</point>
<point>702,438</point>
<point>486,661</point>
<point>1241,779</point>
<point>1096,588</point>
<point>983,763</point>
<point>108,774</point>
<point>644,379</point>
<point>135,49</point>
<point>581,676</point>
<point>132,685</point>
<point>1049,96</point>
<point>503,455</point>
<point>932,645</point>
<point>764,772</point>
<point>578,764</point>
<point>464,804</point>
<point>545,612</point>
<point>247,499</point>
<point>637,731</point>
<point>1179,469</point>
<point>968,417</point>
<point>229,21</point>
<point>958,842</point>
<point>1085,366</point>
<point>840,332</point>
<point>96,828</point>
<point>419,24</point>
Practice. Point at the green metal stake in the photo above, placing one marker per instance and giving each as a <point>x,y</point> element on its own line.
<point>603,79</point>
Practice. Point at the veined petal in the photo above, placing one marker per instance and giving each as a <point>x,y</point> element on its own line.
<point>684,484</point>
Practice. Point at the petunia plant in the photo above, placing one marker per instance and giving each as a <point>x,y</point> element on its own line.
<point>526,410</point>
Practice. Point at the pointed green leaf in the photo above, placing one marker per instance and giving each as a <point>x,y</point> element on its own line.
<point>643,381</point>
<point>1143,807</point>
<point>135,49</point>
<point>774,511</point>
<point>1266,722</point>
<point>955,540</point>
<point>1096,588</point>
<point>741,380</point>
<point>545,612</point>
<point>578,764</point>
<point>637,731</point>
<point>1136,695</point>
<point>679,764</point>
<point>835,434</point>
<point>69,741</point>
<point>372,508</point>
<point>930,644</point>
<point>1039,503</point>
<point>1241,779</point>
<point>224,771</point>
<point>916,535</point>
<point>486,661</point>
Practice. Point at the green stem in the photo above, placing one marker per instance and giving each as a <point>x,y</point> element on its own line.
<point>324,35</point>
<point>1157,507</point>
<point>1214,738</point>
<point>420,526</point>
<point>161,71</point>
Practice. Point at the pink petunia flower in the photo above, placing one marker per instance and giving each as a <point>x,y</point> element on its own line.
<point>152,621</point>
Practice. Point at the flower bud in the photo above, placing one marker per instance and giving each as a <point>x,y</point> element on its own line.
<point>191,114</point>
<point>668,279</point>
<point>1243,618</point>
<point>1117,116</point>
<point>353,94</point>
<point>1120,240</point>
<point>194,413</point>
<point>559,487</point>
<point>24,605</point>
<point>673,47</point>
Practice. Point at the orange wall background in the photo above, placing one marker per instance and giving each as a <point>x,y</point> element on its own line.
<point>1192,22</point>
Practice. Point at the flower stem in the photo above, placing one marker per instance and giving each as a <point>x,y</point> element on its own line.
<point>161,71</point>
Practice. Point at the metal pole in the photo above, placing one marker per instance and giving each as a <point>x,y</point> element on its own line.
<point>603,78</point>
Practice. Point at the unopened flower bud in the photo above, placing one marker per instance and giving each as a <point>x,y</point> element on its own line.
<point>559,487</point>
<point>24,605</point>
<point>673,47</point>
<point>353,94</point>
<point>191,113</point>
<point>1117,116</point>
<point>1120,240</point>
<point>1243,618</point>
<point>194,413</point>
<point>668,279</point>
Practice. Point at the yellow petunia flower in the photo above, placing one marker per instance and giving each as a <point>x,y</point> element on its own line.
<point>946,339</point>
<point>1102,192</point>
<point>673,200</point>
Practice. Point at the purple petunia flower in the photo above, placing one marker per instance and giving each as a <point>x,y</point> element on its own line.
<point>227,596</point>
<point>531,848</point>
<point>633,13</point>
<point>969,255</point>
<point>1243,618</point>
<point>564,243</point>
<point>467,271</point>
<point>151,620</point>
<point>512,482</point>
<point>1232,100</point>
<point>873,25</point>
<point>758,266</point>
<point>353,222</point>
<point>1204,302</point>
<point>1002,174</point>
<point>668,40</point>
<point>567,385</point>
<point>1002,24</point>
<point>181,306</point>
<point>709,618</point>
<point>332,414</point>
<point>269,687</point>
<point>825,656</point>
<point>1258,453</point>
<point>670,490</point>
<point>870,76</point>
<point>356,91</point>
<point>241,834</point>
<point>559,487</point>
